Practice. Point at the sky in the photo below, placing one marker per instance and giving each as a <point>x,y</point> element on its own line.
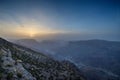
<point>60,19</point>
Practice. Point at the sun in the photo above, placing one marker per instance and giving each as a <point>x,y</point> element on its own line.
<point>31,31</point>
<point>27,31</point>
<point>31,34</point>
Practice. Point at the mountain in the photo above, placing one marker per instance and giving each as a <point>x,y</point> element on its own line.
<point>27,42</point>
<point>100,54</point>
<point>96,59</point>
<point>21,63</point>
<point>43,46</point>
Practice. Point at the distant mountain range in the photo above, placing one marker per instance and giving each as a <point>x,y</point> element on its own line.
<point>96,59</point>
<point>47,46</point>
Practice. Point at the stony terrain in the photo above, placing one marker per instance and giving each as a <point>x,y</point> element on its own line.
<point>13,67</point>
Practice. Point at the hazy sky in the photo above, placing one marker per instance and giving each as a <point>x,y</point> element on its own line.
<point>60,19</point>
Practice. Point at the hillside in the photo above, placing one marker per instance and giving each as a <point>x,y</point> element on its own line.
<point>97,59</point>
<point>20,63</point>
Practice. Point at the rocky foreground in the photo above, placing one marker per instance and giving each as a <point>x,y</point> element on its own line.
<point>14,68</point>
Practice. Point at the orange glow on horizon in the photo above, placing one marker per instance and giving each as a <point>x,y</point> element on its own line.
<point>34,31</point>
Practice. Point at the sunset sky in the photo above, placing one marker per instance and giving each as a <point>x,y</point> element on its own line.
<point>60,19</point>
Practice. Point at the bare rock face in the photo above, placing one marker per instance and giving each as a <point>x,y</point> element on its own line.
<point>15,69</point>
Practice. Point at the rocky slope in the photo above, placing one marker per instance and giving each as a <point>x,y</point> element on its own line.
<point>97,59</point>
<point>14,69</point>
<point>20,63</point>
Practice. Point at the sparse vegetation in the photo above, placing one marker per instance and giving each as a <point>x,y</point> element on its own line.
<point>0,75</point>
<point>8,65</point>
<point>19,75</point>
<point>9,76</point>
<point>1,69</point>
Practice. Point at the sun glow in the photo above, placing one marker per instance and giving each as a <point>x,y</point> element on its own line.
<point>32,35</point>
<point>30,29</point>
<point>31,32</point>
<point>34,31</point>
<point>27,31</point>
